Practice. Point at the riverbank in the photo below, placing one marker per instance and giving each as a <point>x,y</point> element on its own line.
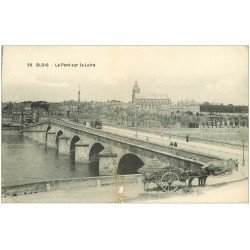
<point>231,189</point>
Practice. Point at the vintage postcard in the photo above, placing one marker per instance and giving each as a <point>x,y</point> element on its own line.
<point>125,124</point>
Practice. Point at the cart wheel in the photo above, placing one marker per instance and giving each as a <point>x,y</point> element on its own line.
<point>170,182</point>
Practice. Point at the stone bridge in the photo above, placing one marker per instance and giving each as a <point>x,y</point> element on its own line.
<point>109,153</point>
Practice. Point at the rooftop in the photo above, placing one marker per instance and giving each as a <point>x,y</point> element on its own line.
<point>159,96</point>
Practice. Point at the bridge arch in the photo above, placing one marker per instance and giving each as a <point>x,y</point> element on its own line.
<point>94,157</point>
<point>129,164</point>
<point>74,140</point>
<point>57,137</point>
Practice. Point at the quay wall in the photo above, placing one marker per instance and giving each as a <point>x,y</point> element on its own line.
<point>86,182</point>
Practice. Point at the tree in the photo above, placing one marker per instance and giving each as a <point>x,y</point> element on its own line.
<point>40,104</point>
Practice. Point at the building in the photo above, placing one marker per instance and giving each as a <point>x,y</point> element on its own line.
<point>185,106</point>
<point>17,115</point>
<point>117,104</point>
<point>157,103</point>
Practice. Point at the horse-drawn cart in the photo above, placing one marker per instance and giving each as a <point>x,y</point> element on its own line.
<point>169,179</point>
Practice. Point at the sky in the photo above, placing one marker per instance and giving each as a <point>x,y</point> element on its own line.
<point>200,73</point>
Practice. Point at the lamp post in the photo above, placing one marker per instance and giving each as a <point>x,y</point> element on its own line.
<point>243,148</point>
<point>170,130</point>
<point>135,119</point>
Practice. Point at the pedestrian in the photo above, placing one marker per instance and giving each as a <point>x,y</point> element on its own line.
<point>236,164</point>
<point>161,134</point>
<point>171,143</point>
<point>187,137</point>
<point>175,144</point>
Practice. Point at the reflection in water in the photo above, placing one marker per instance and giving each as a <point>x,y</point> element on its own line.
<point>72,160</point>
<point>94,157</point>
<point>26,161</point>
<point>94,166</point>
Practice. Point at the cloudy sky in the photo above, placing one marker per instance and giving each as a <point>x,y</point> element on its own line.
<point>201,73</point>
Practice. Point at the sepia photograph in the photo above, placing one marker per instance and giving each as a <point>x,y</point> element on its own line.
<point>125,124</point>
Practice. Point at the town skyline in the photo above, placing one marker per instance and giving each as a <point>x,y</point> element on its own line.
<point>110,100</point>
<point>125,99</point>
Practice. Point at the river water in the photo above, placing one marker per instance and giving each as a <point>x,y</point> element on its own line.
<point>25,161</point>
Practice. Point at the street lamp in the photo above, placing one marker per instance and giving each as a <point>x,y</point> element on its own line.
<point>170,131</point>
<point>170,128</point>
<point>135,118</point>
<point>243,160</point>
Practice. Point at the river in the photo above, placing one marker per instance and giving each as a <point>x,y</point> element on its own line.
<point>25,161</point>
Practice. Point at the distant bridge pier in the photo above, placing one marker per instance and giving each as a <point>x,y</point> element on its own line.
<point>36,135</point>
<point>28,133</point>
<point>64,145</point>
<point>51,139</point>
<point>40,136</point>
<point>108,161</point>
<point>82,151</point>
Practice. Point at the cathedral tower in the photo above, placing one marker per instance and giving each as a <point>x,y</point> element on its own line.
<point>135,90</point>
<point>79,100</point>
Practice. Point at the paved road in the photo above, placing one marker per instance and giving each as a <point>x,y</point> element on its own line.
<point>197,146</point>
<point>215,150</point>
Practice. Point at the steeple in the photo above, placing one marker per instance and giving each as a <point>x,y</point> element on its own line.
<point>79,95</point>
<point>135,90</point>
<point>79,99</point>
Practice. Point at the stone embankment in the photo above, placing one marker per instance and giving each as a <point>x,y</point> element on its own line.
<point>125,188</point>
<point>86,182</point>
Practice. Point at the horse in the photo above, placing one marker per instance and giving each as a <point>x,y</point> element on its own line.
<point>212,168</point>
<point>199,173</point>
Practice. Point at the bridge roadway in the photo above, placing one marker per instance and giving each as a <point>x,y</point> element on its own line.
<point>117,150</point>
<point>217,150</point>
<point>220,151</point>
<point>141,137</point>
<point>200,148</point>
